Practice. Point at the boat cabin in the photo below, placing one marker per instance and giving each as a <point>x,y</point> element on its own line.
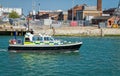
<point>40,39</point>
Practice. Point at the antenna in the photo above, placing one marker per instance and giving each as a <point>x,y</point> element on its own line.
<point>119,4</point>
<point>33,9</point>
<point>33,5</point>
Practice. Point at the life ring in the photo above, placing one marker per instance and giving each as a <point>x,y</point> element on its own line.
<point>13,41</point>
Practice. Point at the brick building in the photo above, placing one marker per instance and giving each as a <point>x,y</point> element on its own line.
<point>74,10</point>
<point>85,12</point>
<point>55,15</point>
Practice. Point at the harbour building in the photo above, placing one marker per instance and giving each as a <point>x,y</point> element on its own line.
<point>85,12</point>
<point>4,10</point>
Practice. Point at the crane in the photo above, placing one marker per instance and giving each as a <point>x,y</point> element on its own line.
<point>117,16</point>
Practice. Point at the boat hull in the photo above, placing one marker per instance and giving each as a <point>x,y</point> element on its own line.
<point>45,48</point>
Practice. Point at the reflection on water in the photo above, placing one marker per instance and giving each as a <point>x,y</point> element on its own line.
<point>44,64</point>
<point>3,50</point>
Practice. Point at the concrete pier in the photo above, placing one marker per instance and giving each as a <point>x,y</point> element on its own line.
<point>10,30</point>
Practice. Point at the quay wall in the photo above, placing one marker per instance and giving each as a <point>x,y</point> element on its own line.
<point>63,31</point>
<point>80,31</point>
<point>111,31</point>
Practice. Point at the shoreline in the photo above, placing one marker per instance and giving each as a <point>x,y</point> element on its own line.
<point>64,31</point>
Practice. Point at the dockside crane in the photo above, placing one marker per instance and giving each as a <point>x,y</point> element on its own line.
<point>117,16</point>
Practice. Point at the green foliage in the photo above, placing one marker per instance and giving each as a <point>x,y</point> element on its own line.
<point>13,14</point>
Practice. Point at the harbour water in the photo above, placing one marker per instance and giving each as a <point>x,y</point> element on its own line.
<point>98,56</point>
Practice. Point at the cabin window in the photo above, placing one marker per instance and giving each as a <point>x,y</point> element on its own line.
<point>41,39</point>
<point>46,38</point>
<point>27,40</point>
<point>33,38</point>
<point>51,39</point>
<point>37,38</point>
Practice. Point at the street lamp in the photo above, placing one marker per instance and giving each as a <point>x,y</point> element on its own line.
<point>39,7</point>
<point>72,10</point>
<point>73,23</point>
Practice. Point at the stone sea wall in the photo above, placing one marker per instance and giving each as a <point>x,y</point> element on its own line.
<point>80,31</point>
<point>63,31</point>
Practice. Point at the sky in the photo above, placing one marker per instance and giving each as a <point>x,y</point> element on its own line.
<point>26,5</point>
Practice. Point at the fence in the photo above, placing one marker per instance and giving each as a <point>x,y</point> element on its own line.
<point>58,24</point>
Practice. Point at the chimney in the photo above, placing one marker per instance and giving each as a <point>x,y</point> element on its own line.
<point>99,5</point>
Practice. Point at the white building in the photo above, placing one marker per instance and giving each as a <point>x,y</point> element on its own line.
<point>9,10</point>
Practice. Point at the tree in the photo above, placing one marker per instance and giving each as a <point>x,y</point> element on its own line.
<point>13,14</point>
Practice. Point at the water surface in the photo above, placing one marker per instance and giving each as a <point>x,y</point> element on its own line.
<point>98,56</point>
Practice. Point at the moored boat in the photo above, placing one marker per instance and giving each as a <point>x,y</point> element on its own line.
<point>41,43</point>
